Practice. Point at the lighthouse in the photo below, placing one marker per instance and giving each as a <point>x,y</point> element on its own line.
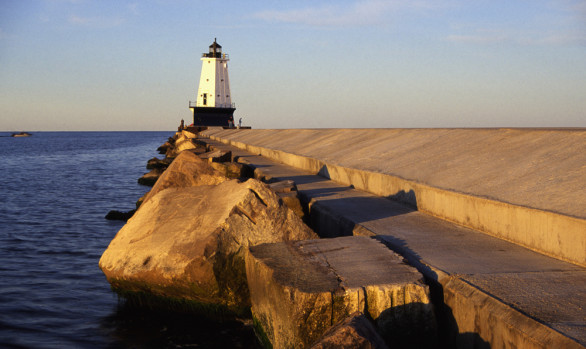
<point>213,106</point>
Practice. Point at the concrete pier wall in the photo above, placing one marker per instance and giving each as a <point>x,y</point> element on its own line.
<point>525,186</point>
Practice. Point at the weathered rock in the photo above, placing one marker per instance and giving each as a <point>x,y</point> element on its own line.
<point>285,186</point>
<point>141,200</point>
<point>291,199</point>
<point>187,170</point>
<point>115,215</point>
<point>300,289</point>
<point>203,144</point>
<point>353,332</point>
<point>150,178</point>
<point>182,142</point>
<point>287,191</point>
<point>230,169</point>
<point>164,147</point>
<point>217,156</point>
<point>189,243</point>
<point>198,150</point>
<point>188,134</point>
<point>158,163</point>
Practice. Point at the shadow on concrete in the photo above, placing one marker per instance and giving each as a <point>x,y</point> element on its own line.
<point>447,327</point>
<point>332,216</point>
<point>363,209</point>
<point>337,210</point>
<point>402,196</point>
<point>409,325</point>
<point>405,197</point>
<point>323,192</point>
<point>299,179</point>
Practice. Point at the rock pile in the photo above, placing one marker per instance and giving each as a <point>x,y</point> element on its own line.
<point>190,235</point>
<point>181,141</point>
<point>190,242</point>
<point>209,238</point>
<point>186,170</point>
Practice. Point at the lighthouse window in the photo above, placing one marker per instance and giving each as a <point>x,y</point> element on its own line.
<point>205,99</point>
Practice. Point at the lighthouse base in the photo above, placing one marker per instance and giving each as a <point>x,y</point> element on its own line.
<point>210,116</point>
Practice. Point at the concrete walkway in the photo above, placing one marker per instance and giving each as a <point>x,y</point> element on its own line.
<point>490,292</point>
<point>520,185</point>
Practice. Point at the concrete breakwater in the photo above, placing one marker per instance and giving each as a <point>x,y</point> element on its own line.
<point>487,292</point>
<point>202,239</point>
<point>521,185</point>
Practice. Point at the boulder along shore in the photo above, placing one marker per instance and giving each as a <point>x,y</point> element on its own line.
<point>211,239</point>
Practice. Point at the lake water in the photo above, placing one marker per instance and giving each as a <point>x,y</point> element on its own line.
<point>55,190</point>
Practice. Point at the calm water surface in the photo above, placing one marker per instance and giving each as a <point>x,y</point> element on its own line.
<point>55,190</point>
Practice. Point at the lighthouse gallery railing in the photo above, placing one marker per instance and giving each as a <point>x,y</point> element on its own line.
<point>221,105</point>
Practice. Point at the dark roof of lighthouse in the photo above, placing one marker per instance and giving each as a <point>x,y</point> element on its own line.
<point>217,45</point>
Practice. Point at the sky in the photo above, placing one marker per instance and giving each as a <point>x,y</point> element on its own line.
<point>100,65</point>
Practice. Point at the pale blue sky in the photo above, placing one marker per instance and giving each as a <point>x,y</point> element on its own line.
<point>135,65</point>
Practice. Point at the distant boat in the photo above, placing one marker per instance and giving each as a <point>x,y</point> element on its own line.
<point>22,134</point>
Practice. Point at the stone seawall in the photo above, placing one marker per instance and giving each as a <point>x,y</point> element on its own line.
<point>521,185</point>
<point>210,240</point>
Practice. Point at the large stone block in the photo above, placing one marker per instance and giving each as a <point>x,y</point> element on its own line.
<point>217,156</point>
<point>188,134</point>
<point>230,169</point>
<point>189,243</point>
<point>300,289</point>
<point>186,170</point>
<point>158,163</point>
<point>182,142</point>
<point>287,191</point>
<point>150,178</point>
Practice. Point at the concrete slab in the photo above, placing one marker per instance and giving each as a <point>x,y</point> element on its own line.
<point>528,293</point>
<point>300,289</point>
<point>483,280</point>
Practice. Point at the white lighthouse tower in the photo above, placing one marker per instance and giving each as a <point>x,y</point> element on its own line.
<point>213,106</point>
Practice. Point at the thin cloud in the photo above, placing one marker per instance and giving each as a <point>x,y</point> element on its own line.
<point>521,38</point>
<point>579,9</point>
<point>560,39</point>
<point>65,1</point>
<point>96,22</point>
<point>359,13</point>
<point>133,8</point>
<point>563,24</point>
<point>553,40</point>
<point>476,39</point>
